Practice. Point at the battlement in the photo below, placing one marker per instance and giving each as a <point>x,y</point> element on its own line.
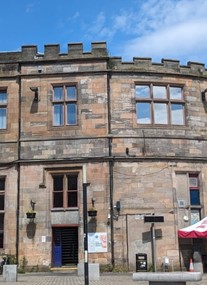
<point>75,51</point>
<point>145,64</point>
<point>52,52</point>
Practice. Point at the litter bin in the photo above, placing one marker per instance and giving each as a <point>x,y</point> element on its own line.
<point>141,262</point>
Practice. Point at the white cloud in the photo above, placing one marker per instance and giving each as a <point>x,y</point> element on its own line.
<point>98,24</point>
<point>177,40</point>
<point>167,29</point>
<point>29,7</point>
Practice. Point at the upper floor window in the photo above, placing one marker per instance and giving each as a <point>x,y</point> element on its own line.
<point>195,204</point>
<point>65,190</point>
<point>159,105</point>
<point>3,109</point>
<point>64,105</point>
<point>2,201</point>
<point>194,190</point>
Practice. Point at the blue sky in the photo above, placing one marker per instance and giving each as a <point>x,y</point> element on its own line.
<point>172,29</point>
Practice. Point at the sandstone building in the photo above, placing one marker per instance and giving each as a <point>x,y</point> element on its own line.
<point>140,128</point>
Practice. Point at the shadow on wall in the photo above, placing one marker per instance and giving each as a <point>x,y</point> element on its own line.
<point>31,229</point>
<point>92,224</point>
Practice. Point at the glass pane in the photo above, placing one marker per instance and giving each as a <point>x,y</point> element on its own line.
<point>72,199</point>
<point>58,93</point>
<point>1,202</point>
<point>194,197</point>
<point>177,116</point>
<point>57,199</point>
<point>58,183</point>
<point>1,230</point>
<point>142,91</point>
<point>71,114</point>
<point>176,93</point>
<point>1,240</point>
<point>2,118</point>
<point>159,92</point>
<point>2,184</point>
<point>160,113</point>
<point>72,182</point>
<point>1,222</point>
<point>58,115</point>
<point>143,113</point>
<point>193,181</point>
<point>195,216</point>
<point>71,93</point>
<point>3,97</point>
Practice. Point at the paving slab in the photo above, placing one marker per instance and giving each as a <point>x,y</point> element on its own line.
<point>73,279</point>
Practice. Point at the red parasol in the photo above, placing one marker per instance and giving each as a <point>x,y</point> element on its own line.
<point>198,230</point>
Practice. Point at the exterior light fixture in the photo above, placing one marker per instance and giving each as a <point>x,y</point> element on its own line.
<point>203,95</point>
<point>31,214</point>
<point>117,208</point>
<point>92,212</point>
<point>36,93</point>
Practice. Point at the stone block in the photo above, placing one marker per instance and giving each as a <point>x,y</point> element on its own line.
<point>10,273</point>
<point>93,270</point>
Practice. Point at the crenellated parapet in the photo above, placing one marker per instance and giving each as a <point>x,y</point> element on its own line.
<point>75,52</point>
<point>166,66</point>
<point>30,53</point>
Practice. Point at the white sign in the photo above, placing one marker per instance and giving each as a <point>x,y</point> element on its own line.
<point>43,238</point>
<point>97,242</point>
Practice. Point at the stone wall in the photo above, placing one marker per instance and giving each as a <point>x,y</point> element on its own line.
<point>145,180</point>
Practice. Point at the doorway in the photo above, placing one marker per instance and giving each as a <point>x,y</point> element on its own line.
<point>64,246</point>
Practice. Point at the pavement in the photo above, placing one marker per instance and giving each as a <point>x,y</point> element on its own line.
<point>73,279</point>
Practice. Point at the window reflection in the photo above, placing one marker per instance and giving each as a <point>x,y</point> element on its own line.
<point>177,114</point>
<point>143,113</point>
<point>160,113</point>
<point>165,105</point>
<point>175,93</point>
<point>142,91</point>
<point>159,92</point>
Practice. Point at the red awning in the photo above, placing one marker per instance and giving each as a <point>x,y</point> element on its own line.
<point>198,230</point>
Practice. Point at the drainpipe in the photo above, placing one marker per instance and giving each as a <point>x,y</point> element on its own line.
<point>18,165</point>
<point>111,164</point>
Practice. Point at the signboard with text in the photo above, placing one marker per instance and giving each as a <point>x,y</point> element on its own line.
<point>153,219</point>
<point>97,242</point>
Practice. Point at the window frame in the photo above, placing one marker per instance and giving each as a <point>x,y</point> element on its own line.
<point>2,211</point>
<point>65,191</point>
<point>154,101</point>
<point>4,105</point>
<point>194,189</point>
<point>195,208</point>
<point>65,102</point>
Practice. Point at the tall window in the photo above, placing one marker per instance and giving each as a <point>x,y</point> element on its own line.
<point>159,105</point>
<point>64,105</point>
<point>2,198</point>
<point>65,190</point>
<point>3,109</point>
<point>195,204</point>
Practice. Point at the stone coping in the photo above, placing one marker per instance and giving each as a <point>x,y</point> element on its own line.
<point>167,276</point>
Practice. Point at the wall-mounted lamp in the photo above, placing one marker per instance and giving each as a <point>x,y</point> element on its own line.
<point>31,214</point>
<point>92,212</point>
<point>36,93</point>
<point>203,95</point>
<point>117,209</point>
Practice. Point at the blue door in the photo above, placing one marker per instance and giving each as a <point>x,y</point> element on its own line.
<point>57,248</point>
<point>65,246</point>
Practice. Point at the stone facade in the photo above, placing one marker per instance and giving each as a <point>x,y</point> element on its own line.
<point>151,178</point>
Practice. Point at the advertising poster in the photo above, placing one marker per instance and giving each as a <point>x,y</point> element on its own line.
<point>97,242</point>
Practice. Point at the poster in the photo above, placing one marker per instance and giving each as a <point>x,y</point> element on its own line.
<point>97,242</point>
